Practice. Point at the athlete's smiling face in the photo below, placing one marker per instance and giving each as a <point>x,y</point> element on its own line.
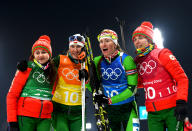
<point>140,42</point>
<point>41,56</point>
<point>107,46</point>
<point>75,50</point>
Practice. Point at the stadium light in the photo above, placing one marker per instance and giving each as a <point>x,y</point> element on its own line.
<point>158,39</point>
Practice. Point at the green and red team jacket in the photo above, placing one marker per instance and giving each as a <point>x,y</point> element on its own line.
<point>162,78</point>
<point>29,94</point>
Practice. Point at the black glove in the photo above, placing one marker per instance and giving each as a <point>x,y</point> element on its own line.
<point>83,74</point>
<point>13,126</point>
<point>22,65</point>
<point>181,110</point>
<point>102,99</point>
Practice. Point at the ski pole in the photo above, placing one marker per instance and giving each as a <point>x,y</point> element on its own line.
<point>83,98</point>
<point>81,58</point>
<point>177,126</point>
<point>121,24</point>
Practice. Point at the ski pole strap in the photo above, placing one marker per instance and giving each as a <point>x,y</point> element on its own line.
<point>82,56</point>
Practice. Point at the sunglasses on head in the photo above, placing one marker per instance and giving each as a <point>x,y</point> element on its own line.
<point>78,38</point>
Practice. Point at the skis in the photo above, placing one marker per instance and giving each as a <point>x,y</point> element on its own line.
<point>100,113</point>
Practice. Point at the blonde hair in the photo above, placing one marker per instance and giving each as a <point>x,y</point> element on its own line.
<point>118,47</point>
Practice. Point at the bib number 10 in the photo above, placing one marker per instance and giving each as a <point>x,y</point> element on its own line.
<point>150,93</point>
<point>71,97</point>
<point>112,93</point>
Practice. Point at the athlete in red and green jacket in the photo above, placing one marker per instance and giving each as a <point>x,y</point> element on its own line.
<point>163,79</point>
<point>29,105</point>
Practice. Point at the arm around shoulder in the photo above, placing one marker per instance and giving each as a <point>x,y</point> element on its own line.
<point>131,72</point>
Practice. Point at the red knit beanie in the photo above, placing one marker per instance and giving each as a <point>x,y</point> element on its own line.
<point>145,29</point>
<point>43,43</point>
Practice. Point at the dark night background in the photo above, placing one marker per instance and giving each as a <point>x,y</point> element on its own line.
<point>21,23</point>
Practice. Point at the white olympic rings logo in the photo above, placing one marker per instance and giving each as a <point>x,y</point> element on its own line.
<point>71,74</point>
<point>146,67</point>
<point>40,77</point>
<point>110,73</point>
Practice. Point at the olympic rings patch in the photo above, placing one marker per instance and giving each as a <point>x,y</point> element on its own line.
<point>109,73</point>
<point>40,77</point>
<point>146,67</point>
<point>71,74</point>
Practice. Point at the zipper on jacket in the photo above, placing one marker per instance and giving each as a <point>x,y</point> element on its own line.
<point>22,121</point>
<point>154,106</point>
<point>41,108</point>
<point>23,102</point>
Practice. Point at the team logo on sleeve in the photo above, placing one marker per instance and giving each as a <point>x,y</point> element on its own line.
<point>172,57</point>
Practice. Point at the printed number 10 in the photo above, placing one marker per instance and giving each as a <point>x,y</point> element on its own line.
<point>113,93</point>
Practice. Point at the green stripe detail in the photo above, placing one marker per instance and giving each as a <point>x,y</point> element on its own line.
<point>142,34</point>
<point>43,48</point>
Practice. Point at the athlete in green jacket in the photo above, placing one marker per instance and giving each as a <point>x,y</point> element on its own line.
<point>117,72</point>
<point>29,105</point>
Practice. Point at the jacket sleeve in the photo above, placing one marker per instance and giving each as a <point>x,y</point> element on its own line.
<point>132,78</point>
<point>174,68</point>
<point>14,93</point>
